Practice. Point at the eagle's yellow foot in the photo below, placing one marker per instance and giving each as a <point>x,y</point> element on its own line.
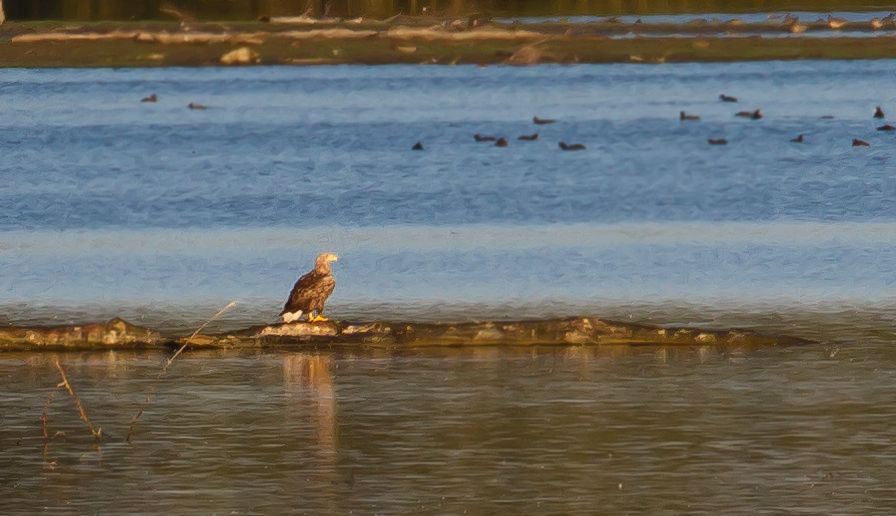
<point>317,318</point>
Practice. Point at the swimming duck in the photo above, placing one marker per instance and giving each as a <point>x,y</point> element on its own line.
<point>571,147</point>
<point>193,105</point>
<point>752,115</point>
<point>502,142</point>
<point>151,98</point>
<point>836,23</point>
<point>684,116</point>
<point>797,27</point>
<point>483,138</point>
<point>727,98</point>
<point>879,113</point>
<point>798,139</point>
<point>528,137</point>
<point>886,127</point>
<point>717,141</point>
<point>542,121</point>
<point>860,143</point>
<point>827,117</point>
<point>417,146</point>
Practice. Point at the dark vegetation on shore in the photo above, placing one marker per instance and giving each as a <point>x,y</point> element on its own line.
<point>252,9</point>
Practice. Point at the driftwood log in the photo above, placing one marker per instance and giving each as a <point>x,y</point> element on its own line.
<point>574,331</point>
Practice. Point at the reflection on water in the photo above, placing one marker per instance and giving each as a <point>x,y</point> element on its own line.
<point>663,431</point>
<point>309,385</point>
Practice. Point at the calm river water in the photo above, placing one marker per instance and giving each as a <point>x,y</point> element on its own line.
<point>163,215</point>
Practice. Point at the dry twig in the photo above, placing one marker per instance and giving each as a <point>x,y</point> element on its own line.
<point>152,391</point>
<point>97,432</point>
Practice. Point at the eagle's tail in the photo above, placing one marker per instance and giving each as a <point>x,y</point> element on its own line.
<point>289,317</point>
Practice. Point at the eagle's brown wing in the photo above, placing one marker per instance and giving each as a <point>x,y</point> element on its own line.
<point>309,293</point>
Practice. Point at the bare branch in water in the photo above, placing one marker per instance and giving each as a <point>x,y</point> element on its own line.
<point>97,432</point>
<point>193,336</point>
<point>154,388</point>
<point>44,418</point>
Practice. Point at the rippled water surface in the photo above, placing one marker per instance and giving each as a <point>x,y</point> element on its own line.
<point>111,206</point>
<point>163,215</point>
<point>484,431</point>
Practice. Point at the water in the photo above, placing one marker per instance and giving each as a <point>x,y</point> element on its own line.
<point>482,431</point>
<point>717,18</point>
<point>747,17</point>
<point>112,207</point>
<point>164,214</point>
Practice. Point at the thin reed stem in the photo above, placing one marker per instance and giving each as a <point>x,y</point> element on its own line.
<point>97,432</point>
<point>152,391</point>
<point>44,419</point>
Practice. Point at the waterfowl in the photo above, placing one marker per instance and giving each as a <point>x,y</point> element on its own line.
<point>827,117</point>
<point>193,105</point>
<point>542,121</point>
<point>836,23</point>
<point>752,115</point>
<point>151,98</point>
<point>879,113</point>
<point>684,116</point>
<point>528,137</point>
<point>417,146</point>
<point>502,142</point>
<point>483,138</point>
<point>571,147</point>
<point>727,98</point>
<point>798,139</point>
<point>886,127</point>
<point>797,27</point>
<point>717,141</point>
<point>860,143</point>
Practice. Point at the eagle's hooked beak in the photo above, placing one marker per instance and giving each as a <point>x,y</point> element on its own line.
<point>332,258</point>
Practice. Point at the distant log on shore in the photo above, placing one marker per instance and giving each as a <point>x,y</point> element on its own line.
<point>574,331</point>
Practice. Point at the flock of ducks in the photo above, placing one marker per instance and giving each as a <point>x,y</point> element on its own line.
<point>501,141</point>
<point>795,26</point>
<point>757,115</point>
<point>152,99</point>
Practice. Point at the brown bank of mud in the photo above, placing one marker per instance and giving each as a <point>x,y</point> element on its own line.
<point>574,331</point>
<point>430,40</point>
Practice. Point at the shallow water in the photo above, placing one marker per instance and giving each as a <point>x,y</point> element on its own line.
<point>111,206</point>
<point>481,431</point>
<point>753,17</point>
<point>160,214</point>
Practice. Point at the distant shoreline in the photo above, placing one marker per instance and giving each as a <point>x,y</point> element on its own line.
<point>427,40</point>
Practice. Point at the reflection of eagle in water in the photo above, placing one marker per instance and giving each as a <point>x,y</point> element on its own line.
<point>311,292</point>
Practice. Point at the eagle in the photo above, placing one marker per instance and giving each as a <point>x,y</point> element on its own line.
<point>311,291</point>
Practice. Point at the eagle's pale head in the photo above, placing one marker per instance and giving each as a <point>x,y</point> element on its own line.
<point>324,260</point>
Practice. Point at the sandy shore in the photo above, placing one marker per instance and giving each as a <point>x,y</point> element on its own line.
<point>304,41</point>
